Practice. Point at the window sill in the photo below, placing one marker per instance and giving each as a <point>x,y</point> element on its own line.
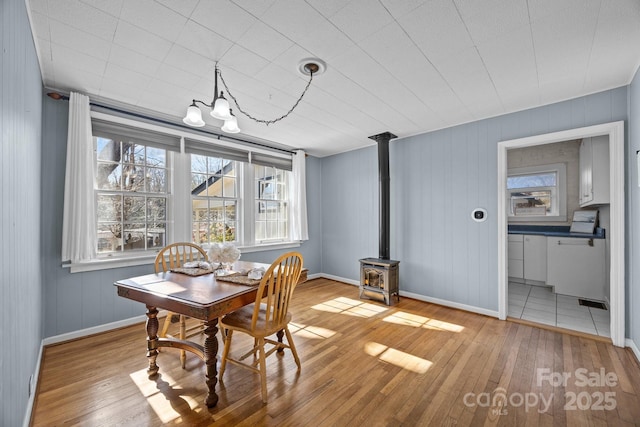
<point>148,259</point>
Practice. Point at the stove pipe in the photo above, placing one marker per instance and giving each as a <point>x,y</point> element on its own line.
<point>384,193</point>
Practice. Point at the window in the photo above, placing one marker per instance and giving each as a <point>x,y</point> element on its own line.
<point>131,195</point>
<point>214,199</point>
<point>271,207</point>
<point>537,193</point>
<point>153,187</point>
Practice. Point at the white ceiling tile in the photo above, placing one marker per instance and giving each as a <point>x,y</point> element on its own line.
<point>510,60</point>
<point>328,8</point>
<point>183,7</point>
<point>177,77</point>
<point>264,41</point>
<point>80,41</point>
<point>112,7</point>
<point>436,28</point>
<point>154,18</point>
<point>128,93</point>
<point>399,8</point>
<point>545,8</point>
<point>203,41</point>
<point>242,60</point>
<point>64,56</point>
<point>223,17</point>
<point>189,61</point>
<point>142,41</point>
<point>83,17</point>
<point>120,75</point>
<point>133,60</point>
<point>361,18</point>
<point>492,18</point>
<point>255,7</point>
<point>417,73</point>
<point>40,6</point>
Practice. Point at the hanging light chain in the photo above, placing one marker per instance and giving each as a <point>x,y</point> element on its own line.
<point>266,122</point>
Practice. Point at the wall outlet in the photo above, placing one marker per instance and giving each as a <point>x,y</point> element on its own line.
<point>30,385</point>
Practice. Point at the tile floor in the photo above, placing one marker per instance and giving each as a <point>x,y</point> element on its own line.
<point>539,304</point>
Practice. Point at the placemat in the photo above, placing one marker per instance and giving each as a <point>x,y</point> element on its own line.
<point>238,278</point>
<point>191,271</point>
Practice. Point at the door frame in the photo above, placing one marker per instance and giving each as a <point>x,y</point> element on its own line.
<point>616,234</point>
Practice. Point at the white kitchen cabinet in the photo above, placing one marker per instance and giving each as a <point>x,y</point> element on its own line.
<point>535,258</point>
<point>576,267</point>
<point>516,257</point>
<point>594,171</point>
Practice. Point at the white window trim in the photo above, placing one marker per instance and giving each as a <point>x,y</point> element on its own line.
<point>135,258</point>
<point>561,170</point>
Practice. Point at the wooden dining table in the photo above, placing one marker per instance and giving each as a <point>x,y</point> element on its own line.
<point>205,297</point>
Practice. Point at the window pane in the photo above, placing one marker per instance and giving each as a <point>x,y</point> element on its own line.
<point>134,236</point>
<point>229,186</point>
<point>530,181</point>
<point>214,186</point>
<point>156,209</point>
<point>156,180</point>
<point>200,234</point>
<point>134,208</point>
<point>107,149</point>
<point>131,195</point>
<point>156,233</point>
<point>109,237</point>
<point>216,166</point>
<point>109,208</point>
<point>108,176</point>
<point>156,157</point>
<point>198,164</point>
<point>531,203</point>
<point>198,184</point>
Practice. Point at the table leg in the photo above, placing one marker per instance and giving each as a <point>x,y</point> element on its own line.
<point>152,340</point>
<point>280,334</point>
<point>210,360</point>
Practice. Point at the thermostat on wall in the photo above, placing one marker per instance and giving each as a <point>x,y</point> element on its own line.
<point>479,215</point>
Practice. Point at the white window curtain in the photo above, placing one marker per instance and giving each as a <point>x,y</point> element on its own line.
<point>299,226</point>
<point>79,219</point>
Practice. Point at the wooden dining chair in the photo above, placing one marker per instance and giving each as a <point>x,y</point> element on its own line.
<point>173,256</point>
<point>265,317</point>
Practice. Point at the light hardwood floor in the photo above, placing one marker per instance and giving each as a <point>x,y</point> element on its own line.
<point>363,363</point>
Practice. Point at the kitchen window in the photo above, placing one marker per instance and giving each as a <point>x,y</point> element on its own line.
<point>537,193</point>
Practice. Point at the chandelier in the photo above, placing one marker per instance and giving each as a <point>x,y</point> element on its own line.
<point>221,110</point>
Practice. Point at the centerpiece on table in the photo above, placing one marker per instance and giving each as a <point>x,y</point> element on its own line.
<point>224,254</point>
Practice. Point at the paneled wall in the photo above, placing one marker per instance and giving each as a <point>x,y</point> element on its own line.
<point>437,179</point>
<point>83,300</point>
<point>633,216</point>
<point>20,127</point>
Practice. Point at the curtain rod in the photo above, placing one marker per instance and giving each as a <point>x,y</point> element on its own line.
<point>58,96</point>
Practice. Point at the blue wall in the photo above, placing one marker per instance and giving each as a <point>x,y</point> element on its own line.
<point>633,213</point>
<point>83,300</point>
<point>20,127</point>
<point>437,179</point>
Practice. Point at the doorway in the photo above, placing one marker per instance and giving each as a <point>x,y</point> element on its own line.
<point>615,132</point>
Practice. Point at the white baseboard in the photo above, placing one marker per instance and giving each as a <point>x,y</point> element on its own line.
<point>340,279</point>
<point>34,386</point>
<point>452,304</point>
<point>632,345</point>
<point>418,297</point>
<point>97,329</point>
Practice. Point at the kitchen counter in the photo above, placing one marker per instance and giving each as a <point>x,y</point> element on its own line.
<point>553,231</point>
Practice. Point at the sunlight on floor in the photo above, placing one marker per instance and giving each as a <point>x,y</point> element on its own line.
<point>350,307</point>
<point>164,404</point>
<point>408,319</point>
<point>397,357</point>
<point>308,331</point>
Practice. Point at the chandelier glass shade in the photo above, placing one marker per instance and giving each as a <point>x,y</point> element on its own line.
<point>220,108</point>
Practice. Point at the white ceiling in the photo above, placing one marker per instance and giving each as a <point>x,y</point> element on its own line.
<point>404,66</point>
